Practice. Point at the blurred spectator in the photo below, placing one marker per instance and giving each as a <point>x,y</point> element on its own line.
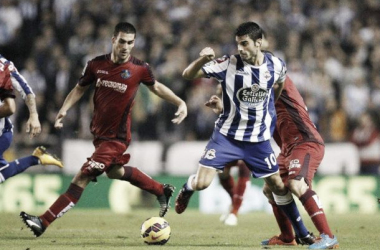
<point>366,136</point>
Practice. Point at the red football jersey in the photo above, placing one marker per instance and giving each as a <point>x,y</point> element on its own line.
<point>116,86</point>
<point>6,88</point>
<point>293,125</point>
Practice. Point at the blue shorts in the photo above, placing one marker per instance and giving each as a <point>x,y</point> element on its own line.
<point>221,150</point>
<point>5,143</point>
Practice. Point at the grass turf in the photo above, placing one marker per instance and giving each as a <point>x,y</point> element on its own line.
<point>101,229</point>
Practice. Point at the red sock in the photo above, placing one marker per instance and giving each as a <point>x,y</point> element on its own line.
<point>311,203</point>
<point>64,202</point>
<point>143,181</point>
<point>283,223</point>
<point>228,185</point>
<point>238,194</point>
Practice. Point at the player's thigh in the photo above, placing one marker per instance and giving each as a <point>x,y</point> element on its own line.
<point>304,161</point>
<point>260,159</point>
<point>105,155</point>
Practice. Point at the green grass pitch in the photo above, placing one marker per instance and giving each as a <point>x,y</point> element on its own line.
<point>101,229</point>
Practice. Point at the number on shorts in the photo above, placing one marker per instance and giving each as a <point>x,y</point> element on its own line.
<point>271,160</point>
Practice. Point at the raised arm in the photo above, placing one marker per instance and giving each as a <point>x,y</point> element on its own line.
<point>75,94</point>
<point>194,70</point>
<point>168,95</point>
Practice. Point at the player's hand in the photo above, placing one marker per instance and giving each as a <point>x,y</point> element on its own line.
<point>33,126</point>
<point>181,113</point>
<point>58,120</point>
<point>215,103</point>
<point>208,53</point>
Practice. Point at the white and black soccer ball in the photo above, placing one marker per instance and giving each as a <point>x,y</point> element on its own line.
<point>155,231</point>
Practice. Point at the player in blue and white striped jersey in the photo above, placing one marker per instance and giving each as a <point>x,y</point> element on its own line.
<point>10,79</point>
<point>251,81</point>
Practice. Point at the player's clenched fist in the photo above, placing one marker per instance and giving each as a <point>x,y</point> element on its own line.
<point>208,52</point>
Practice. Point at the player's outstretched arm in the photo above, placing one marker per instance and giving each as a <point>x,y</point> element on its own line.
<point>194,70</point>
<point>75,94</point>
<point>33,125</point>
<point>168,95</point>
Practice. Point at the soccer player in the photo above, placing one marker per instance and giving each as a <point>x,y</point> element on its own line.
<point>116,78</point>
<point>246,124</point>
<point>11,79</point>
<point>235,191</point>
<point>302,150</point>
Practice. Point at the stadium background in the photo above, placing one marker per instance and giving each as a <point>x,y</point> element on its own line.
<point>332,50</point>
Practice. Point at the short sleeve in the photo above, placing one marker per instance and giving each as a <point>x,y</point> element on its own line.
<point>88,76</point>
<point>147,76</point>
<point>282,72</point>
<point>217,68</point>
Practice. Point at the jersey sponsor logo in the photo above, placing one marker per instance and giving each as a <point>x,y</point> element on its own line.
<point>294,164</point>
<point>105,72</point>
<point>125,74</point>
<point>117,86</point>
<point>252,96</point>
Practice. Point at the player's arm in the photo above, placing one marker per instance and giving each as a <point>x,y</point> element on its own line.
<point>194,70</point>
<point>168,95</point>
<point>215,104</point>
<point>75,94</point>
<point>278,87</point>
<point>8,107</point>
<point>33,125</point>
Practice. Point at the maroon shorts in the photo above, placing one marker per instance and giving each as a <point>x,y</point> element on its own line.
<point>107,153</point>
<point>302,161</point>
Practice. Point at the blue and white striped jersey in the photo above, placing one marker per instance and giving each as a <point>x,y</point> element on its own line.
<point>248,97</point>
<point>18,83</point>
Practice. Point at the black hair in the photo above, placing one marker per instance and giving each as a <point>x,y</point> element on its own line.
<point>124,27</point>
<point>251,29</point>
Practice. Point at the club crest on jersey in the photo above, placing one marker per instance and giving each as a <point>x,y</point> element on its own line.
<point>267,75</point>
<point>209,154</point>
<point>252,96</point>
<point>125,74</point>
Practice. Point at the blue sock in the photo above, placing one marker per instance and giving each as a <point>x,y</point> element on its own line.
<point>289,207</point>
<point>18,166</point>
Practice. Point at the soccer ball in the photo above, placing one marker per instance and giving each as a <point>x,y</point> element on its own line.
<point>155,231</point>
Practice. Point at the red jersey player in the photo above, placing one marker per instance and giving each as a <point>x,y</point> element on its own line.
<point>302,150</point>
<point>117,77</point>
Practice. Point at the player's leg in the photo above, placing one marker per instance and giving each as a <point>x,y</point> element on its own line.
<point>263,164</point>
<point>39,156</point>
<point>305,159</point>
<point>244,177</point>
<point>228,183</point>
<point>141,180</point>
<point>219,151</point>
<point>196,182</point>
<point>64,203</point>
<point>286,236</point>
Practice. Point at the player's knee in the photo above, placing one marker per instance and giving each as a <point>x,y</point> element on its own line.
<point>297,187</point>
<point>200,185</point>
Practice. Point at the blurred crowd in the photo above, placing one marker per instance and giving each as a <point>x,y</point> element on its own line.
<point>332,51</point>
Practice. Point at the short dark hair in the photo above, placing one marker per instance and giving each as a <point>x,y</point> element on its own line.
<point>124,27</point>
<point>251,29</point>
